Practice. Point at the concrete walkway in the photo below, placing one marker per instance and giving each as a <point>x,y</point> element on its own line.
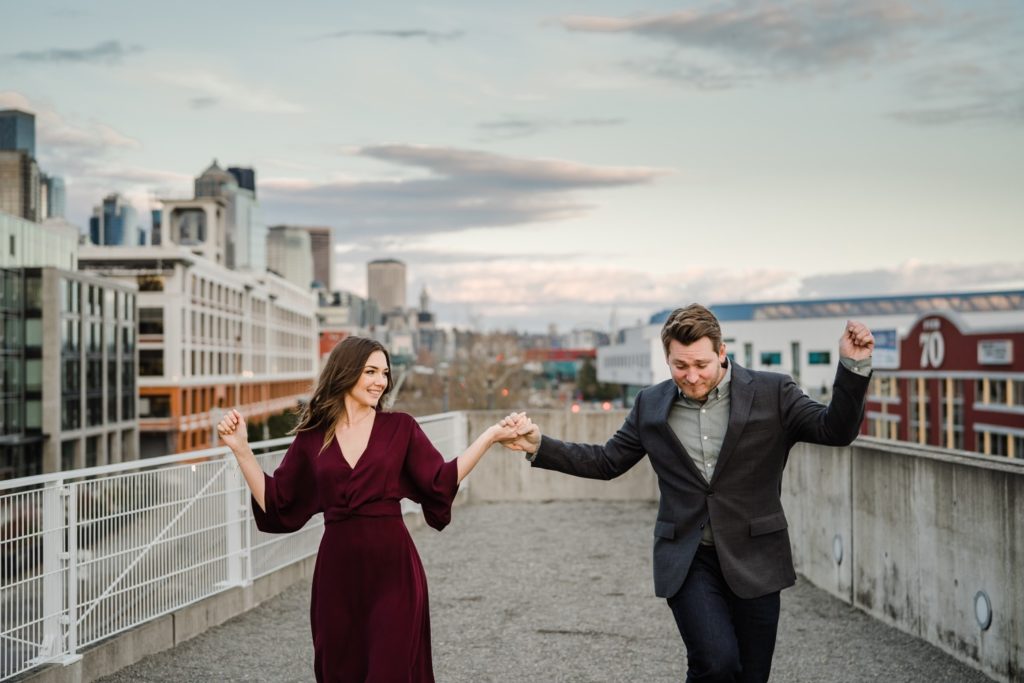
<point>555,592</point>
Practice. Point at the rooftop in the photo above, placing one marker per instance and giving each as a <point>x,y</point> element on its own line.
<point>554,592</point>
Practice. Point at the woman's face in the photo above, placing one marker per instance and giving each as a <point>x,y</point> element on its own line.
<point>372,381</point>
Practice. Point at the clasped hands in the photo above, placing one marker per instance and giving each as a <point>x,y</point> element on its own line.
<point>519,433</point>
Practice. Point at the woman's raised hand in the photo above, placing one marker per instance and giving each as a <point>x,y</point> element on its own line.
<point>232,430</point>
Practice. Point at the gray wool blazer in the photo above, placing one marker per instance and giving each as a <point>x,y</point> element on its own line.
<point>768,414</point>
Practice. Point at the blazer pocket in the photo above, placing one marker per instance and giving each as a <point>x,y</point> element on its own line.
<point>760,526</point>
<point>664,529</point>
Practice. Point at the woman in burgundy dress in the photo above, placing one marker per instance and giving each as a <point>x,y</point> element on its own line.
<point>354,462</point>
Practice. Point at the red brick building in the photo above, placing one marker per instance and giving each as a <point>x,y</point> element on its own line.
<point>943,384</point>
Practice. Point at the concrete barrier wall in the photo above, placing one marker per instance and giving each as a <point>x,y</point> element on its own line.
<point>504,475</point>
<point>923,531</point>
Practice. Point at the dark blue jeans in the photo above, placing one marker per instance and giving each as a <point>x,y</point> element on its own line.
<point>727,638</point>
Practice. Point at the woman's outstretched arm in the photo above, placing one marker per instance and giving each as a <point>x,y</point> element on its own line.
<point>235,435</point>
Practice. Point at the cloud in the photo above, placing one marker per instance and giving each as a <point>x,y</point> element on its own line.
<point>108,52</point>
<point>914,277</point>
<point>203,102</point>
<point>462,189</point>
<point>516,293</point>
<point>213,88</point>
<point>60,139</point>
<point>964,92</point>
<point>512,127</point>
<point>790,35</point>
<point>87,155</point>
<point>406,34</point>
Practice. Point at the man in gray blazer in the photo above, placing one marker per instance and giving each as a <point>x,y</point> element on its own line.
<point>718,436</point>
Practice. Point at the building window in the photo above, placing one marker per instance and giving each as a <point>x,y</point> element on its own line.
<point>997,391</point>
<point>71,414</point>
<point>67,455</point>
<point>771,358</point>
<point>151,362</point>
<point>819,358</point>
<point>151,321</point>
<point>1018,394</point>
<point>155,406</point>
<point>150,283</point>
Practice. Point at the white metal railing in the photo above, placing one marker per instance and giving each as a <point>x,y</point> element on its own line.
<point>89,553</point>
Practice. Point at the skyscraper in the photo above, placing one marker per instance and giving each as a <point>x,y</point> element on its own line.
<point>245,234</point>
<point>289,254</point>
<point>52,196</point>
<point>18,131</point>
<point>385,284</point>
<point>113,223</point>
<point>19,185</point>
<point>322,245</point>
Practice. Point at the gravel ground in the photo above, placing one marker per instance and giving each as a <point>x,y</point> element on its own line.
<point>555,592</point>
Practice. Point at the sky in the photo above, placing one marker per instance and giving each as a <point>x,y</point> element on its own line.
<point>577,164</point>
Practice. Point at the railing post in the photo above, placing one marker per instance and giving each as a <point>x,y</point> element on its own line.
<point>52,534</point>
<point>59,574</point>
<point>72,557</point>
<point>234,517</point>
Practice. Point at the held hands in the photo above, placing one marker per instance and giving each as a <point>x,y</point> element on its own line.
<point>522,434</point>
<point>232,430</point>
<point>857,343</point>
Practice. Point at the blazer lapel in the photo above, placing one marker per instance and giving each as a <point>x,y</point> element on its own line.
<point>741,396</point>
<point>663,406</point>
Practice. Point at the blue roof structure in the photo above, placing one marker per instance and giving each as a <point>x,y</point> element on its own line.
<point>913,304</point>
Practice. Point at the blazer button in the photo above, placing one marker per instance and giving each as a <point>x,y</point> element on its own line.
<point>702,525</point>
<point>710,493</point>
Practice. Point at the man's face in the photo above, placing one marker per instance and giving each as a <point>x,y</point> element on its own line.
<point>696,368</point>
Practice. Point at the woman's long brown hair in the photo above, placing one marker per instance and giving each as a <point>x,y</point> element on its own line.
<point>344,367</point>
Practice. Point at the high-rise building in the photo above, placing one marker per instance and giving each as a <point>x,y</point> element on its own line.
<point>67,391</point>
<point>52,202</point>
<point>289,254</point>
<point>321,243</point>
<point>245,234</point>
<point>114,223</point>
<point>19,185</point>
<point>245,177</point>
<point>18,131</point>
<point>210,338</point>
<point>385,284</point>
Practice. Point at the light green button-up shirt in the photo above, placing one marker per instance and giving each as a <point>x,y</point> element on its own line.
<point>700,428</point>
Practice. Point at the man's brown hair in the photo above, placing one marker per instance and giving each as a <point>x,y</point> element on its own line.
<point>687,325</point>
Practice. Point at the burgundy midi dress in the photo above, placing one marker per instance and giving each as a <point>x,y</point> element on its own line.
<point>369,611</point>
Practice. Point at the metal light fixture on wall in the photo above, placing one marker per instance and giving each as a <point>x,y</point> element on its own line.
<point>983,610</point>
<point>837,548</point>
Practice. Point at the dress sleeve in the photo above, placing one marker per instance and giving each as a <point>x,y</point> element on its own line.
<point>428,479</point>
<point>291,493</point>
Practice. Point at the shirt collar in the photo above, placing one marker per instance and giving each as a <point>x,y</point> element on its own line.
<point>720,391</point>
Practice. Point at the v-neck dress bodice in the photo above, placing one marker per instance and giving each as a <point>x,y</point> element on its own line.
<point>369,612</point>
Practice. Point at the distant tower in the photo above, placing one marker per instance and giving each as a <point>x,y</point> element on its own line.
<point>289,254</point>
<point>321,242</point>
<point>245,236</point>
<point>385,284</point>
<point>18,131</point>
<point>113,223</point>
<point>53,202</point>
<point>19,172</point>
<point>424,300</point>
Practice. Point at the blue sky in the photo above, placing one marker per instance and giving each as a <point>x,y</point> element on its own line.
<point>540,162</point>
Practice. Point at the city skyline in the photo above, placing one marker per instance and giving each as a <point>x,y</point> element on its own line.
<point>563,164</point>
